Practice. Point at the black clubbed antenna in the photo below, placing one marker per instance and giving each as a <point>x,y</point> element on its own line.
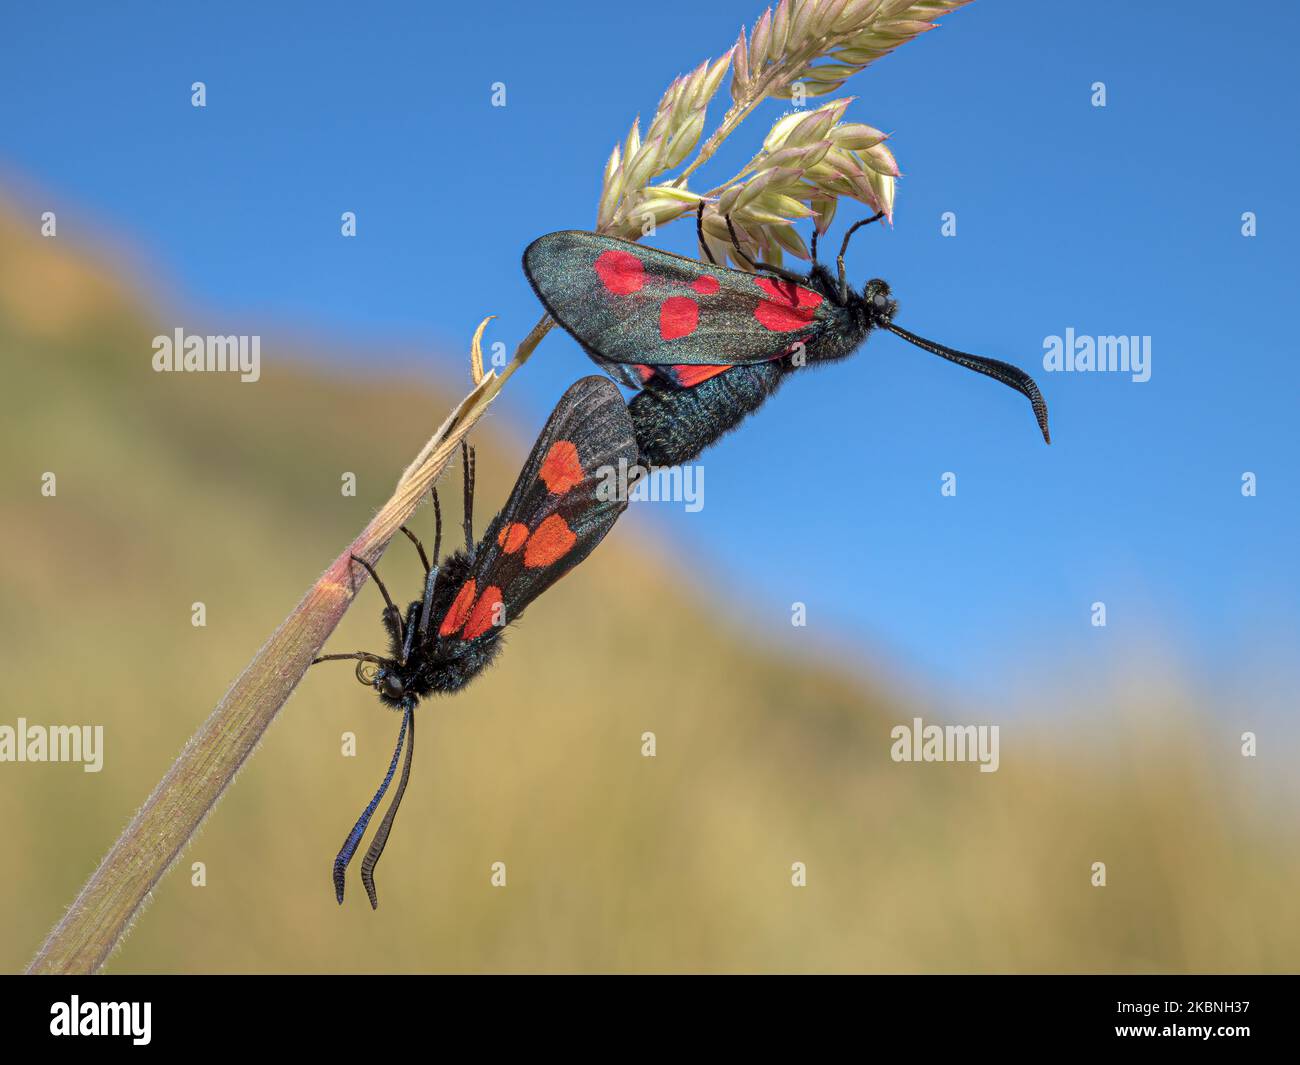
<point>359,829</point>
<point>1011,376</point>
<point>377,844</point>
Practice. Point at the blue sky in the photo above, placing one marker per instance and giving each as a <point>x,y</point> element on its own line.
<point>1117,220</point>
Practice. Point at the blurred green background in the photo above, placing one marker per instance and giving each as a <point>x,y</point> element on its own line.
<point>181,488</point>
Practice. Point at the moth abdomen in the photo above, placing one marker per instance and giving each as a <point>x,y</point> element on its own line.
<point>673,425</point>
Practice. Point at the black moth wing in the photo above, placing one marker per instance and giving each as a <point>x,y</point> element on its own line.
<point>556,514</point>
<point>638,306</point>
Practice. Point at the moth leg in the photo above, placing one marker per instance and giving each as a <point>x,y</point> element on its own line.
<point>437,536</point>
<point>769,268</point>
<point>430,573</point>
<point>424,559</point>
<point>844,284</point>
<point>699,234</point>
<point>437,528</point>
<point>735,243</point>
<point>391,607</point>
<point>781,272</point>
<point>855,227</point>
<point>467,461</point>
<point>426,606</point>
<point>360,656</point>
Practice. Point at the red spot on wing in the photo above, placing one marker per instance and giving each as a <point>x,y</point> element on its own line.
<point>459,610</point>
<point>483,615</point>
<point>512,537</point>
<point>621,272</point>
<point>551,541</point>
<point>678,317</point>
<point>787,293</point>
<point>789,306</point>
<point>690,376</point>
<point>705,285</point>
<point>645,372</point>
<point>562,469</point>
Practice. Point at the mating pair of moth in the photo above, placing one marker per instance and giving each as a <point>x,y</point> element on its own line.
<point>703,346</point>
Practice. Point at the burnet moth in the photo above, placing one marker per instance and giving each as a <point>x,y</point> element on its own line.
<point>554,518</point>
<point>706,345</point>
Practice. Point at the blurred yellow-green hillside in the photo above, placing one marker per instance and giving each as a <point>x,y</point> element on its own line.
<point>174,489</point>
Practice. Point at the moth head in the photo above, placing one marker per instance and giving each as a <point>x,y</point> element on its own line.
<point>881,305</point>
<point>384,679</point>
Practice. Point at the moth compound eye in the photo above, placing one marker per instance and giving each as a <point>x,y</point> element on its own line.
<point>393,687</point>
<point>879,301</point>
<point>366,672</point>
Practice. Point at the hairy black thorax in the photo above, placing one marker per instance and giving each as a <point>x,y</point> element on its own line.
<point>434,666</point>
<point>674,425</point>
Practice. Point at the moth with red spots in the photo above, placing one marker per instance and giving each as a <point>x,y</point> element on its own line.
<point>554,518</point>
<point>706,345</point>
